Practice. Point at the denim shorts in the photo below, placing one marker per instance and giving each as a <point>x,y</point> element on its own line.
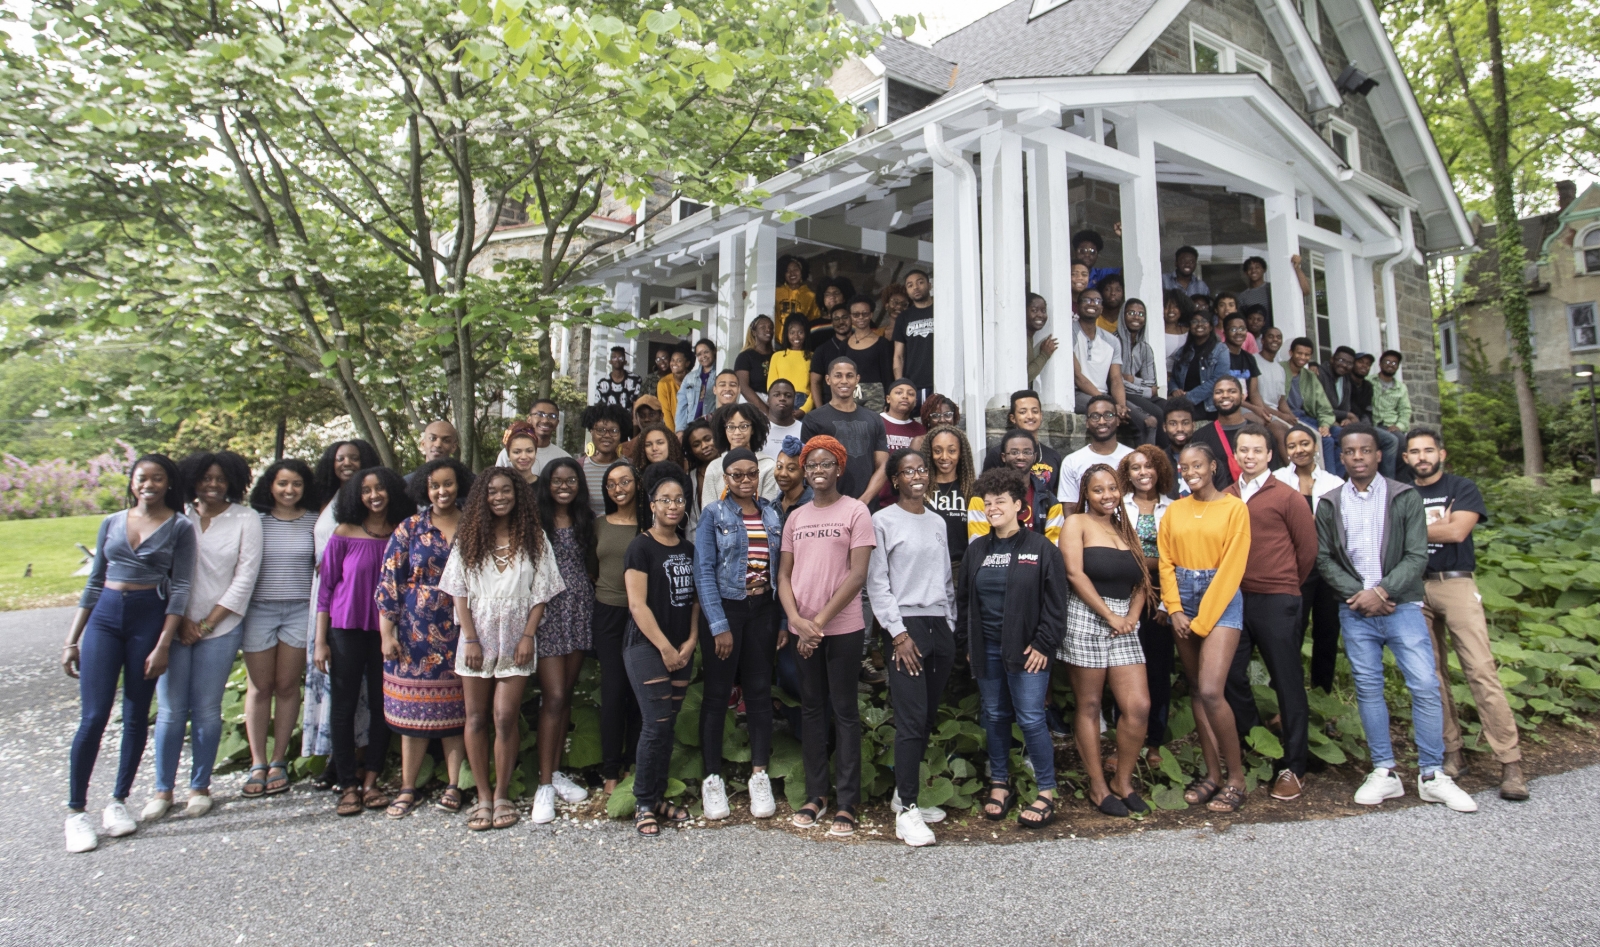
<point>269,624</point>
<point>1192,585</point>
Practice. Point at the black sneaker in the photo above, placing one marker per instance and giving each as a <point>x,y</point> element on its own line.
<point>1058,725</point>
<point>871,673</point>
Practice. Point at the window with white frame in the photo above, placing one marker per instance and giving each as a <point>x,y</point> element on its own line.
<point>1581,326</point>
<point>1346,142</point>
<point>1321,315</point>
<point>1589,251</point>
<point>873,103</point>
<point>1209,52</point>
<point>1448,359</point>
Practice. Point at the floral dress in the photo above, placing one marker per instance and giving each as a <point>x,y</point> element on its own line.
<point>421,692</point>
<point>316,721</point>
<point>565,627</point>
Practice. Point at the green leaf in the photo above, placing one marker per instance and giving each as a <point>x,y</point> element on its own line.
<point>1510,678</point>
<point>1170,767</point>
<point>658,22</point>
<point>1168,797</point>
<point>1263,741</point>
<point>936,793</point>
<point>607,25</point>
<point>622,801</point>
<point>1329,753</point>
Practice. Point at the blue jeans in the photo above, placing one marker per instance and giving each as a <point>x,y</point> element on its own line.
<point>123,629</point>
<point>1020,697</point>
<point>190,693</point>
<point>1192,587</point>
<point>1406,634</point>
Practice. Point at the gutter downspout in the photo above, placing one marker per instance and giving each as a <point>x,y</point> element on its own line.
<point>1408,249</point>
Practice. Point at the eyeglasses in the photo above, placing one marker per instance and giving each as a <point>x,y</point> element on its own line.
<point>822,465</point>
<point>743,476</point>
<point>1103,416</point>
<point>942,416</point>
<point>915,473</point>
<point>1019,453</point>
<point>618,486</point>
<point>669,501</point>
<point>568,482</point>
<point>609,430</point>
<point>743,428</point>
<point>546,416</point>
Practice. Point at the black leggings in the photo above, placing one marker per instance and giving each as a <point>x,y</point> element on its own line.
<point>619,710</point>
<point>1155,638</point>
<point>660,694</point>
<point>357,655</point>
<point>916,699</point>
<point>828,678</point>
<point>753,623</point>
<point>1320,603</point>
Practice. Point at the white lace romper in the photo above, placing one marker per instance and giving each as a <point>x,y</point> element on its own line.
<point>500,603</point>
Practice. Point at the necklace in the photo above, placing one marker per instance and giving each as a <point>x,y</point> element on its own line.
<point>1204,508</point>
<point>372,534</point>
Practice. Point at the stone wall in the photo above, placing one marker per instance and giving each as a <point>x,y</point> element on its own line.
<point>1416,336</point>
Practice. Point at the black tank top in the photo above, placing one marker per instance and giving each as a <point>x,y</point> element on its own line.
<point>1114,572</point>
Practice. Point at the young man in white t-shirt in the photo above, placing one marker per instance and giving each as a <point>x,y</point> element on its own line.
<point>781,419</point>
<point>1102,448</point>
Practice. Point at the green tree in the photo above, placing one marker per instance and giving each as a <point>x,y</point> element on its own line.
<point>311,187</point>
<point>1509,96</point>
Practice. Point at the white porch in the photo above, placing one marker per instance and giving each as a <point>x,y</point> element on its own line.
<point>975,188</point>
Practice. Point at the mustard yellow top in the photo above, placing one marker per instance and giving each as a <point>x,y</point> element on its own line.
<point>794,366</point>
<point>793,301</point>
<point>1197,535</point>
<point>667,393</point>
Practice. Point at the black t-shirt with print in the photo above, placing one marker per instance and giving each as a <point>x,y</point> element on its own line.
<point>1242,365</point>
<point>756,364</point>
<point>991,582</point>
<point>914,329</point>
<point>671,595</point>
<point>946,500</point>
<point>1455,494</point>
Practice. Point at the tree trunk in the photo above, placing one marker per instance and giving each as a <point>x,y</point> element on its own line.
<point>461,371</point>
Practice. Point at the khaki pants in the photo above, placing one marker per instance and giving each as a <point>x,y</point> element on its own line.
<point>1453,607</point>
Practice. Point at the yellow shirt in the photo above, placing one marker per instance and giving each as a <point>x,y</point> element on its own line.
<point>793,366</point>
<point>793,301</point>
<point>1197,535</point>
<point>1108,325</point>
<point>667,392</point>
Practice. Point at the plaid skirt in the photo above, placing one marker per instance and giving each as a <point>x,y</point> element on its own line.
<point>1087,641</point>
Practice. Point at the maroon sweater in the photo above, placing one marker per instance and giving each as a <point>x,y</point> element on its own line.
<point>1283,539</point>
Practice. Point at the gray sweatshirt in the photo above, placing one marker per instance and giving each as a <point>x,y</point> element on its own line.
<point>910,569</point>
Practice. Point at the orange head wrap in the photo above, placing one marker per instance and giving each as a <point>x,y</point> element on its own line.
<point>824,442</point>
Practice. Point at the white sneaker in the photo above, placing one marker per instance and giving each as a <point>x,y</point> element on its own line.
<point>929,813</point>
<point>714,798</point>
<point>908,826</point>
<point>117,821</point>
<point>155,808</point>
<point>1441,788</point>
<point>1380,784</point>
<point>198,805</point>
<point>568,790</point>
<point>762,805</point>
<point>80,833</point>
<point>544,805</point>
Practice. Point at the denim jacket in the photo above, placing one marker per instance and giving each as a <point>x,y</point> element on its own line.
<point>1214,367</point>
<point>719,562</point>
<point>689,395</point>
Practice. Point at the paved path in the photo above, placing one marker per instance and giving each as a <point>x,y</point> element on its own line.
<point>286,871</point>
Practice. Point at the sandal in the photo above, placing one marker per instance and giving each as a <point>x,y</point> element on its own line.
<point>844,823</point>
<point>1201,790</point>
<point>505,814</point>
<point>1045,815</point>
<point>807,815</point>
<point>404,801</point>
<point>255,786</point>
<point>450,799</point>
<point>1004,804</point>
<point>480,820</point>
<point>350,801</point>
<point>279,783</point>
<point>672,813</point>
<point>1230,799</point>
<point>646,823</point>
<point>375,798</point>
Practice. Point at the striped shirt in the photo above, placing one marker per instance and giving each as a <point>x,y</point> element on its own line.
<point>288,559</point>
<point>758,558</point>
<point>1363,515</point>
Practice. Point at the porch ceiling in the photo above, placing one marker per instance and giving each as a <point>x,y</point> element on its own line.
<point>1229,130</point>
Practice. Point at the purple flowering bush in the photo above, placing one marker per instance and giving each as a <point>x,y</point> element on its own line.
<point>60,488</point>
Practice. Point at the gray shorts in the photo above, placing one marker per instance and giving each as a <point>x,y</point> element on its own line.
<point>269,624</point>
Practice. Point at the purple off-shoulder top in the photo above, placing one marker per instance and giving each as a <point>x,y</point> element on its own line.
<point>348,593</point>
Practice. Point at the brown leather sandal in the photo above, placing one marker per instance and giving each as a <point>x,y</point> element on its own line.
<point>481,819</point>
<point>1230,799</point>
<point>350,801</point>
<point>375,798</point>
<point>505,814</point>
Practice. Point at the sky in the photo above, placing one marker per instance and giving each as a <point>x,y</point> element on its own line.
<point>943,16</point>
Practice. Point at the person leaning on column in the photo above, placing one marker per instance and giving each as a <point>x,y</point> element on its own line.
<point>1452,606</point>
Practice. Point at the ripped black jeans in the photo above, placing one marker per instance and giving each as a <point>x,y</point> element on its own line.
<point>660,695</point>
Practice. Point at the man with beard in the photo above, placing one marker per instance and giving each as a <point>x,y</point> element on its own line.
<point>1221,435</point>
<point>1178,430</point>
<point>1453,508</point>
<point>1101,422</point>
<point>913,336</point>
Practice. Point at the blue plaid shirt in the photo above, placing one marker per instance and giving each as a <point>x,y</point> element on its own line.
<point>1363,528</point>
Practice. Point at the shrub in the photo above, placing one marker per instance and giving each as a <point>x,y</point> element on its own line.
<point>60,488</point>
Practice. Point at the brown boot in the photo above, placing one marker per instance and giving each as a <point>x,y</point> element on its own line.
<point>1454,765</point>
<point>1513,785</point>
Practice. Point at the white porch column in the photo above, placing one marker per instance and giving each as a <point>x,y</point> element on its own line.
<point>625,299</point>
<point>1368,333</point>
<point>1050,266</point>
<point>726,323</point>
<point>1004,267</point>
<point>1288,303</point>
<point>1342,305</point>
<point>761,272</point>
<point>958,330</point>
<point>1141,241</point>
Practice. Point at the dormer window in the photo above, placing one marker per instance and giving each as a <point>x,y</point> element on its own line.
<point>1346,142</point>
<point>1589,252</point>
<point>1209,52</point>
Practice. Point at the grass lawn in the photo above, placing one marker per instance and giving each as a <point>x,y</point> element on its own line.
<point>48,545</point>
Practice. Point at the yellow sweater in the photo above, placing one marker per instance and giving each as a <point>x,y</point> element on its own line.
<point>1196,535</point>
<point>793,365</point>
<point>793,301</point>
<point>667,392</point>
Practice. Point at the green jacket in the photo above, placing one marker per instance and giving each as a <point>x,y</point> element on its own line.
<point>1313,399</point>
<point>1391,406</point>
<point>1405,545</point>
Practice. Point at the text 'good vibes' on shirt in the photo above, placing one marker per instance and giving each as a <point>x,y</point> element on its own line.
<point>820,539</point>
<point>671,594</point>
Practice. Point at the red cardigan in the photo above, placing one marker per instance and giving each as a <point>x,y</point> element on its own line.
<point>1283,539</point>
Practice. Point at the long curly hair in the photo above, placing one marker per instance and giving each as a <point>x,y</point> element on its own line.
<point>261,495</point>
<point>1157,459</point>
<point>475,535</point>
<point>966,470</point>
<point>325,479</point>
<point>674,446</point>
<point>348,508</point>
<point>1120,521</point>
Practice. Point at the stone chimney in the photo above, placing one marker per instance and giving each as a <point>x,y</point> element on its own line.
<point>1566,192</point>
